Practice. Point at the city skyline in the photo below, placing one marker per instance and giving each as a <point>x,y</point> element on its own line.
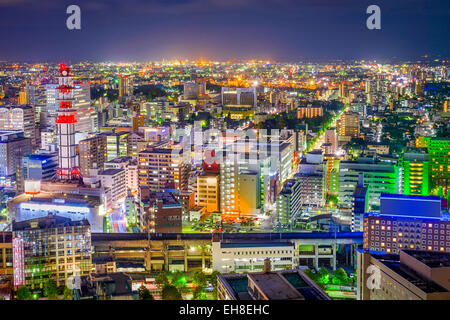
<point>281,31</point>
<point>238,151</point>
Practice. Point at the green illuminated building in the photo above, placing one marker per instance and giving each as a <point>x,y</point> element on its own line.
<point>439,157</point>
<point>378,177</point>
<point>414,169</point>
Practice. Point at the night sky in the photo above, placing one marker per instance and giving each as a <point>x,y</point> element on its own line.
<point>284,30</point>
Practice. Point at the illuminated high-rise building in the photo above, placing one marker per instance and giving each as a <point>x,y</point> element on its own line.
<point>160,169</point>
<point>194,90</point>
<point>22,97</point>
<point>191,90</point>
<point>360,203</point>
<point>288,205</point>
<point>37,255</point>
<point>13,146</point>
<point>249,193</point>
<point>124,86</point>
<point>208,191</point>
<point>407,222</point>
<point>348,125</point>
<point>419,88</point>
<point>66,126</point>
<point>229,187</point>
<point>439,157</point>
<point>414,174</point>
<point>426,276</point>
<point>19,117</point>
<point>300,138</point>
<point>309,111</point>
<point>115,179</point>
<point>378,178</point>
<point>239,96</point>
<point>137,122</point>
<point>331,138</point>
<point>86,115</point>
<point>422,142</point>
<point>368,86</point>
<point>160,212</point>
<point>39,166</point>
<point>92,153</point>
<point>117,145</point>
<point>342,90</point>
<point>48,139</point>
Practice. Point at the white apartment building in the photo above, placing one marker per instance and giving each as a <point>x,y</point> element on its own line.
<point>19,117</point>
<point>249,257</point>
<point>229,187</point>
<point>115,179</point>
<point>131,171</point>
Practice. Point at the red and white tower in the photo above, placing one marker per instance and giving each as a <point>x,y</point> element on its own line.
<point>66,120</point>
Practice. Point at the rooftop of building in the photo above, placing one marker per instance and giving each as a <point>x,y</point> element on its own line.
<point>440,139</point>
<point>159,150</point>
<point>411,205</point>
<point>209,174</point>
<point>413,277</point>
<point>409,197</point>
<point>41,157</point>
<point>132,265</point>
<point>20,106</point>
<point>102,259</point>
<point>248,172</point>
<point>430,259</point>
<point>119,160</point>
<point>415,154</point>
<point>92,138</point>
<point>197,208</point>
<point>152,197</point>
<point>310,106</point>
<point>11,135</point>
<point>110,134</point>
<point>364,161</point>
<point>445,216</point>
<point>315,152</point>
<point>406,271</point>
<point>308,174</point>
<point>70,189</point>
<point>110,172</point>
<point>287,188</point>
<point>276,285</point>
<point>255,244</point>
<point>57,198</point>
<point>51,221</point>
<point>121,284</point>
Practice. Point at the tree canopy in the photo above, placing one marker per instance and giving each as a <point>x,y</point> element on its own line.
<point>51,289</point>
<point>162,280</point>
<point>23,293</point>
<point>67,294</point>
<point>340,277</point>
<point>323,276</point>
<point>144,293</point>
<point>170,292</point>
<point>200,279</point>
